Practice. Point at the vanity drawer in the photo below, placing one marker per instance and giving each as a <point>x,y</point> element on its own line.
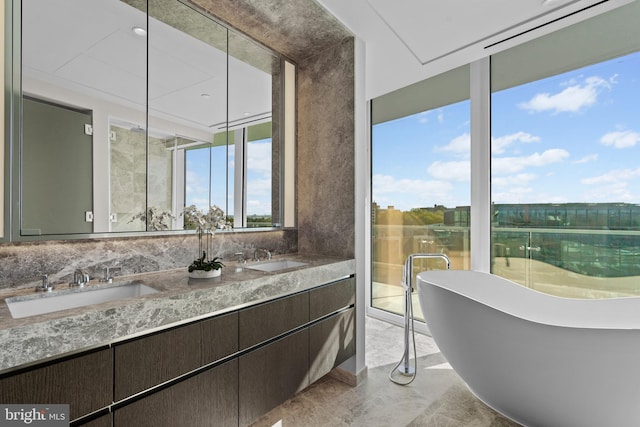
<point>266,321</point>
<point>209,398</point>
<point>219,337</point>
<point>83,381</point>
<point>151,360</point>
<point>272,374</point>
<point>329,298</point>
<point>331,342</point>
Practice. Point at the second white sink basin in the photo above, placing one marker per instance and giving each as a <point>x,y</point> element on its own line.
<point>48,303</point>
<point>272,266</point>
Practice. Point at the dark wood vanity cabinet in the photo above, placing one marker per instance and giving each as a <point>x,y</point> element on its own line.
<point>272,374</point>
<point>275,372</point>
<point>84,382</point>
<point>266,321</point>
<point>331,342</point>
<point>226,370</point>
<point>329,298</point>
<point>103,421</point>
<point>209,398</point>
<point>150,360</point>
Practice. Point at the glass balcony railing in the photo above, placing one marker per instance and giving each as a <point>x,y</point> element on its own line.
<point>568,263</point>
<point>571,263</point>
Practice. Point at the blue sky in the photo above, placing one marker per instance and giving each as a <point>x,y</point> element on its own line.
<point>573,137</point>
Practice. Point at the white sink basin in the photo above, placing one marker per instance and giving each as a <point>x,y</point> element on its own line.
<point>272,266</point>
<point>48,303</point>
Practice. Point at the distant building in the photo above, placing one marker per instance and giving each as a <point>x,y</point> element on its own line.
<point>604,216</point>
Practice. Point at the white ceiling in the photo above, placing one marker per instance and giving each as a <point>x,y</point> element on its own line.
<point>410,40</point>
<point>89,47</point>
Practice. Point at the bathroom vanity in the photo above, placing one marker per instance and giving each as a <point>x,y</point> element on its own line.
<point>198,351</point>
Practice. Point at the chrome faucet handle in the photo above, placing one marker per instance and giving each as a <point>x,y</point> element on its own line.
<point>45,286</point>
<point>108,278</point>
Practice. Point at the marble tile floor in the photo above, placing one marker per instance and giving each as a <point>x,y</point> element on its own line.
<point>437,397</point>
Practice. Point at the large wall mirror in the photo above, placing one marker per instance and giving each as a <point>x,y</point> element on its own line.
<point>136,115</point>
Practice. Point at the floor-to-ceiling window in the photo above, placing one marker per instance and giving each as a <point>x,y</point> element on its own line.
<point>565,168</point>
<point>420,174</point>
<point>565,165</point>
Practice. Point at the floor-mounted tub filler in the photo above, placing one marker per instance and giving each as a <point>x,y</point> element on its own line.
<point>539,359</point>
<point>404,365</point>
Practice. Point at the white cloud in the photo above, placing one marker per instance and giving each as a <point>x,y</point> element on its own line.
<point>462,143</point>
<point>200,203</point>
<point>499,144</point>
<point>618,191</point>
<point>587,159</point>
<point>451,171</point>
<point>424,117</point>
<point>525,195</point>
<point>510,165</point>
<point>405,194</point>
<point>258,207</point>
<point>572,99</point>
<point>390,184</point>
<point>197,186</point>
<point>621,139</point>
<point>259,187</point>
<point>259,157</point>
<point>613,176</point>
<point>459,145</point>
<point>512,195</point>
<point>518,180</point>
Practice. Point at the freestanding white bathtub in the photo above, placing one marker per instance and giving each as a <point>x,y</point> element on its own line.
<point>538,359</point>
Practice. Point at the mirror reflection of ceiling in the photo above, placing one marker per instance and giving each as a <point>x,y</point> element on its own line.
<point>89,47</point>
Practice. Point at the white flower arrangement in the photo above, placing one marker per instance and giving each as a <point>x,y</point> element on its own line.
<point>215,219</point>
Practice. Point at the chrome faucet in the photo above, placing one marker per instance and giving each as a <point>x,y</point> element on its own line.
<point>45,286</point>
<point>80,278</point>
<point>256,257</point>
<point>108,278</point>
<point>241,261</point>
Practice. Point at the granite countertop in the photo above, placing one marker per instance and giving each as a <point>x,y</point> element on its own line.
<point>179,300</point>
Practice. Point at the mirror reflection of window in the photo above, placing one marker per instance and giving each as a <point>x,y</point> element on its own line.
<point>187,96</point>
<point>259,176</point>
<point>256,124</point>
<point>198,89</point>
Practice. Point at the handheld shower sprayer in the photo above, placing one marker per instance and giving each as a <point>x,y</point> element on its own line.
<point>407,278</point>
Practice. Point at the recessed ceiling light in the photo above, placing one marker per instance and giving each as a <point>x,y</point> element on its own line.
<point>246,113</point>
<point>139,31</point>
<point>205,95</point>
